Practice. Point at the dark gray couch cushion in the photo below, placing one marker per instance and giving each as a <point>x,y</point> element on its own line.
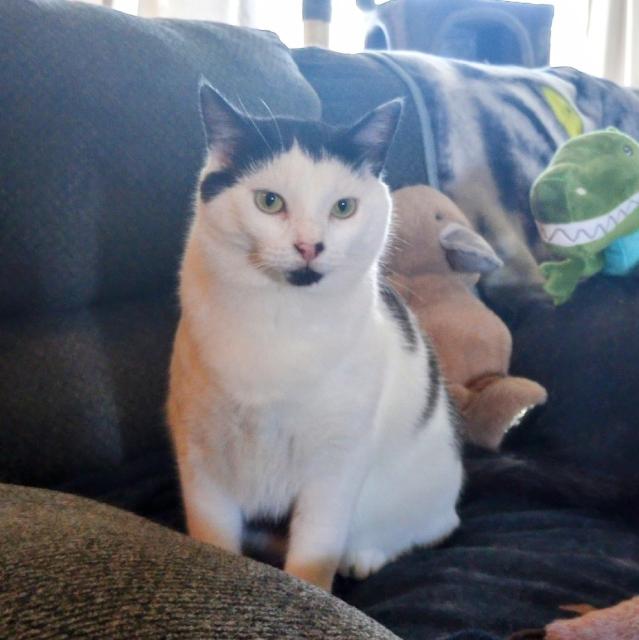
<point>101,142</point>
<point>101,145</point>
<point>74,568</point>
<point>83,390</point>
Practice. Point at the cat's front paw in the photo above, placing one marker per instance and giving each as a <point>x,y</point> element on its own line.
<point>319,573</point>
<point>362,563</point>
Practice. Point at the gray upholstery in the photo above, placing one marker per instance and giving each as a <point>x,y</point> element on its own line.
<point>101,145</point>
<point>84,390</point>
<point>102,142</point>
<point>74,568</point>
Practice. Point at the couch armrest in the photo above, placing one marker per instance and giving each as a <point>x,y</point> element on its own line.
<point>72,567</point>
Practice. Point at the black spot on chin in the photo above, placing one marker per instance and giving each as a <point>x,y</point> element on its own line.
<point>303,277</point>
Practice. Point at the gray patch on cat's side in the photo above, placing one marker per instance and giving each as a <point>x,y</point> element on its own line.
<point>435,384</point>
<point>399,312</point>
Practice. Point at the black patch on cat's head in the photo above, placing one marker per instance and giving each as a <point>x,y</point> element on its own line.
<point>243,143</point>
<point>303,277</point>
<point>214,183</point>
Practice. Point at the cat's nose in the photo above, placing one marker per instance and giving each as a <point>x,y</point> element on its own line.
<point>309,251</point>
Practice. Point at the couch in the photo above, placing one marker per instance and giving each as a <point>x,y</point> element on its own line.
<point>101,144</point>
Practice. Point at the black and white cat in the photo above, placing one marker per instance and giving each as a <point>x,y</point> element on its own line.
<point>298,380</point>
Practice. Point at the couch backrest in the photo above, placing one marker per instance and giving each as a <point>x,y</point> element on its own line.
<point>101,144</point>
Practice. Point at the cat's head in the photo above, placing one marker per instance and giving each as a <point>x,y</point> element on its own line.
<point>290,201</point>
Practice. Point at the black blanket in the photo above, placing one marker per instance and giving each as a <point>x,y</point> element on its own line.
<point>522,552</point>
<point>550,521</point>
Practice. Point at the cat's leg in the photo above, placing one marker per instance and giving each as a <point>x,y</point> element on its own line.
<point>319,528</point>
<point>408,498</point>
<point>194,408</point>
<point>212,515</point>
<point>396,519</point>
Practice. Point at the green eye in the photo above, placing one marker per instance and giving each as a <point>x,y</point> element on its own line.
<point>344,208</point>
<point>269,202</point>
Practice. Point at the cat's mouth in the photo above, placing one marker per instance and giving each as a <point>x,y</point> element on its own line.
<point>303,277</point>
<point>300,277</point>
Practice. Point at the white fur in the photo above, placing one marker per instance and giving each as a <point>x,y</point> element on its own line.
<point>304,396</point>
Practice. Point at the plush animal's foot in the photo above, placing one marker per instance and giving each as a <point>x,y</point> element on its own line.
<point>362,563</point>
<point>494,404</point>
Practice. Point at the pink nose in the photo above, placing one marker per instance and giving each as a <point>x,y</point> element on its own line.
<point>309,251</point>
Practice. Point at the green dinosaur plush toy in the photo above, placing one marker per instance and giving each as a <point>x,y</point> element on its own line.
<point>586,205</point>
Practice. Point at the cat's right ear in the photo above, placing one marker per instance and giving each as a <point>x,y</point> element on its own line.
<point>223,125</point>
<point>373,134</point>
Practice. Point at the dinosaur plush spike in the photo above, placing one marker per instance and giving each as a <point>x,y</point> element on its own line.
<point>585,204</point>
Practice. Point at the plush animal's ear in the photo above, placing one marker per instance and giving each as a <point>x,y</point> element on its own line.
<point>467,251</point>
<point>223,125</point>
<point>372,135</point>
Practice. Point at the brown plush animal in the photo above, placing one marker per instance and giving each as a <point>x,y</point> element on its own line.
<point>620,622</point>
<point>437,261</point>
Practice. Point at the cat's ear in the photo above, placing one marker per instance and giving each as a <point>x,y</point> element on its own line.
<point>373,134</point>
<point>223,125</point>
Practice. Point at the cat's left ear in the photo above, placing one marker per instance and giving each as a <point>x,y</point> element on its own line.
<point>223,125</point>
<point>373,134</point>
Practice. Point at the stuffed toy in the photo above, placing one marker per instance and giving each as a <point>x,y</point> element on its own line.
<point>436,264</point>
<point>620,622</point>
<point>586,207</point>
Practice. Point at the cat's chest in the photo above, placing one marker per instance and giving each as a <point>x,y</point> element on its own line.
<point>266,472</point>
<point>270,356</point>
<point>264,369</point>
<point>271,452</point>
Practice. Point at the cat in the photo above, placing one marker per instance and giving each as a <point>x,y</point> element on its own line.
<point>299,380</point>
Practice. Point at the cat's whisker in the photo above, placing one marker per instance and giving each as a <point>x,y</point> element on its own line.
<point>257,261</point>
<point>401,286</point>
<point>396,240</point>
<point>274,119</point>
<point>252,121</point>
